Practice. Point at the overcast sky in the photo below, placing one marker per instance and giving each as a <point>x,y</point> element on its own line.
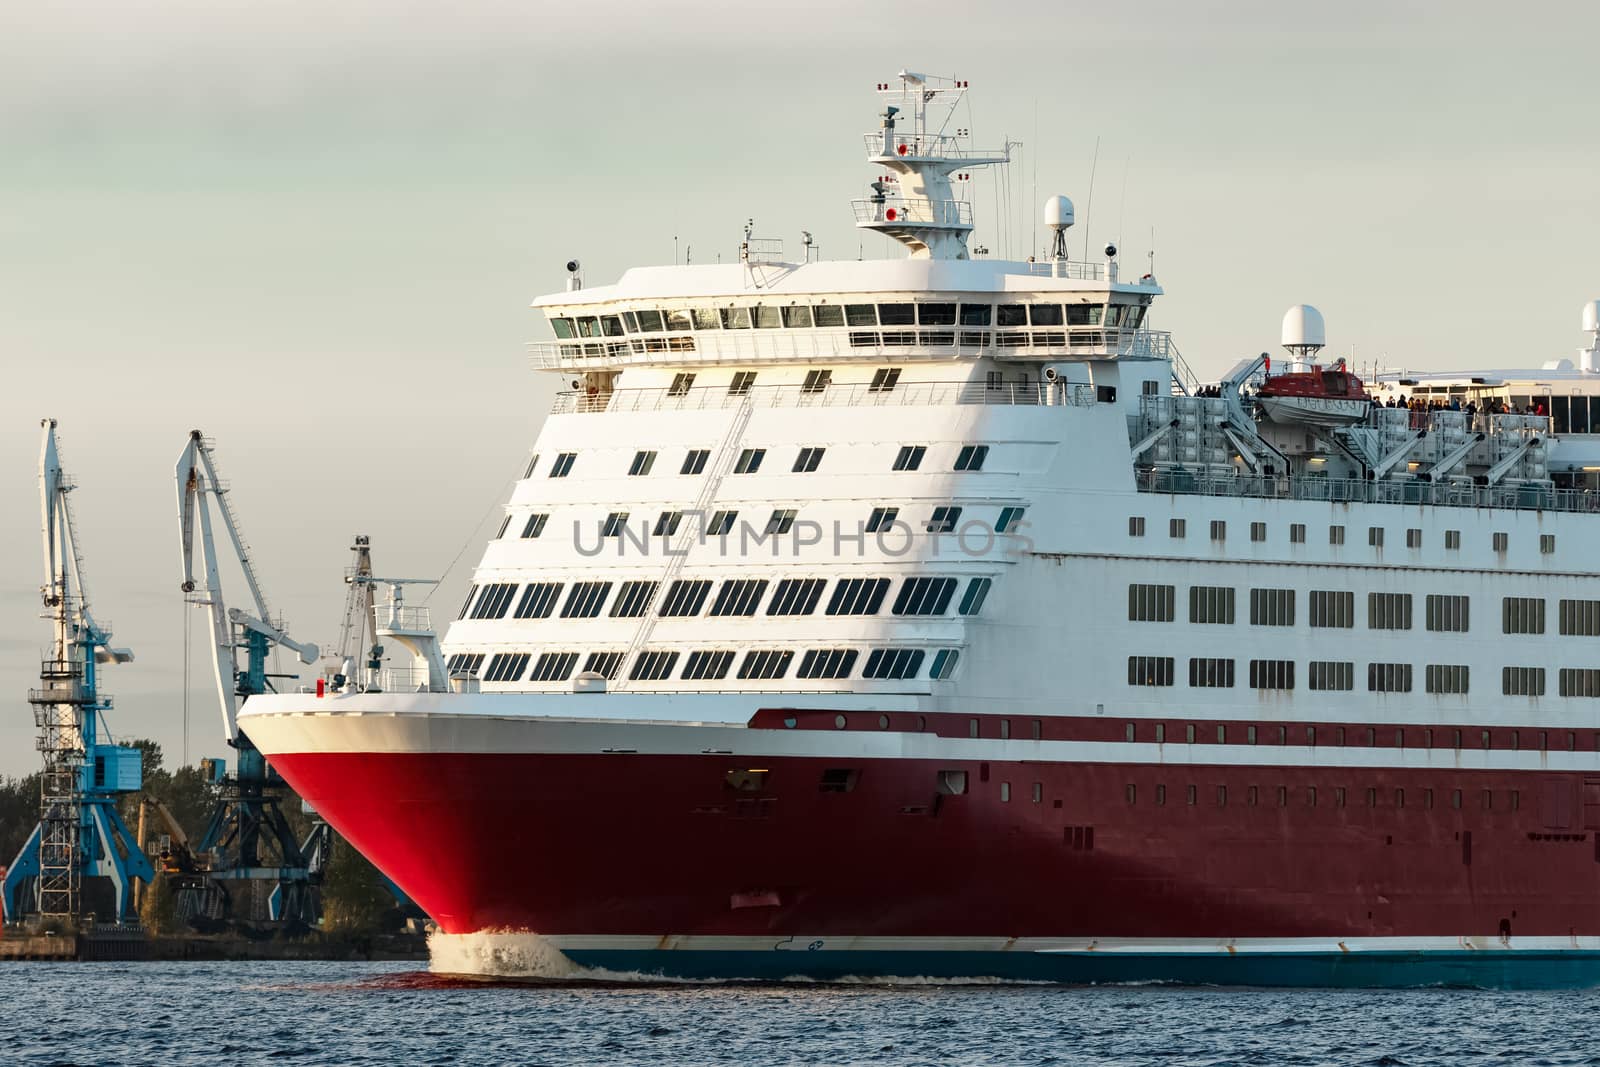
<point>312,230</point>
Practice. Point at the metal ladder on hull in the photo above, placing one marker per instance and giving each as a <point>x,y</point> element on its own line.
<point>678,544</point>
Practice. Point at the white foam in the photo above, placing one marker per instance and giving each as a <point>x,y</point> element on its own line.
<point>499,954</point>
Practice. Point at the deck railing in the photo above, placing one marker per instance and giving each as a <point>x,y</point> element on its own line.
<point>1523,496</point>
<point>1032,394</point>
<point>913,211</point>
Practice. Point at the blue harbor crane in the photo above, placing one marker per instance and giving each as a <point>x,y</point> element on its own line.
<point>248,838</point>
<point>80,835</point>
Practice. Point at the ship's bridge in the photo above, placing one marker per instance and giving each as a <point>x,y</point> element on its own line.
<point>872,311</point>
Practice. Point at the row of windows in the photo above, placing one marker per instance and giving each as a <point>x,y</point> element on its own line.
<point>1337,796</point>
<point>1335,608</point>
<point>1339,676</point>
<point>807,459</point>
<point>926,596</point>
<point>804,316</point>
<point>892,664</point>
<point>945,518</point>
<point>1339,736</point>
<point>1179,529</point>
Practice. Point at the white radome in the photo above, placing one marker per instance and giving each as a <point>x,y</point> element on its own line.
<point>1591,316</point>
<point>1303,327</point>
<point>1058,213</point>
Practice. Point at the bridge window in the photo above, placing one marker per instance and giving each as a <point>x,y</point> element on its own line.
<point>1580,618</point>
<point>828,314</point>
<point>733,319</point>
<point>897,314</point>
<point>650,321</point>
<point>1012,315</point>
<point>767,317</point>
<point>976,314</point>
<point>1045,314</point>
<point>797,316</point>
<point>681,384</point>
<point>1272,607</point>
<point>780,521</point>
<point>678,321</point>
<point>861,314</point>
<point>707,319</point>
<point>1336,535</point>
<point>937,314</point>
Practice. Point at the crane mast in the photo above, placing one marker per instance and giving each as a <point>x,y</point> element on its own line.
<point>247,833</point>
<point>80,834</point>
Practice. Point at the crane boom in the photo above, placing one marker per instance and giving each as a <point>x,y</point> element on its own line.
<point>197,477</point>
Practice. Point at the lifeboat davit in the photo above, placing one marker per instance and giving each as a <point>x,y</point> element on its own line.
<point>1320,396</point>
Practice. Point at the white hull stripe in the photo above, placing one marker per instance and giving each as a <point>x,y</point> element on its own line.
<point>280,733</point>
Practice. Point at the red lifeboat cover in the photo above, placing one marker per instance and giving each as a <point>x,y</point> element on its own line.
<point>1334,383</point>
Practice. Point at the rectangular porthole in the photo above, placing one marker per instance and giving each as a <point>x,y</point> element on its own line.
<point>694,461</point>
<point>796,596</point>
<point>642,462</point>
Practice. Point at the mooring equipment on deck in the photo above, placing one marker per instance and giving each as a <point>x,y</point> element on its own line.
<point>80,835</point>
<point>248,837</point>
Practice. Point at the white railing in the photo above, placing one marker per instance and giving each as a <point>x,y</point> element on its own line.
<point>851,344</point>
<point>927,146</point>
<point>1032,394</point>
<point>406,618</point>
<point>912,211</point>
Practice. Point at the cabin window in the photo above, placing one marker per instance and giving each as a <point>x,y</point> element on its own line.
<point>685,597</point>
<point>1150,670</point>
<point>1177,528</point>
<point>681,384</point>
<point>1452,540</point>
<point>1501,542</point>
<point>1332,608</point>
<point>1389,611</point>
<point>1331,676</point>
<point>1447,613</point>
<point>807,460</point>
<point>827,663</point>
<point>1522,681</point>
<point>1150,603</point>
<point>884,379</point>
<point>538,600</point>
<point>741,382</point>
<point>765,664</point>
<point>780,521</point>
<point>535,524</point>
<point>494,600</point>
<point>1445,678</point>
<point>585,600</point>
<point>1136,526</point>
<point>797,596</point>
<point>1211,604</point>
<point>1210,673</point>
<point>707,664</point>
<point>977,592</point>
<point>1272,607</point>
<point>1336,535</point>
<point>554,667</point>
<point>721,523</point>
<point>653,666</point>
<point>615,524</point>
<point>1389,677</point>
<point>944,519</point>
<point>857,596</point>
<point>739,596</point>
<point>749,461</point>
<point>642,462</point>
<point>633,599</point>
<point>1375,536</point>
<point>694,461</point>
<point>893,663</point>
<point>881,519</point>
<point>944,665</point>
<point>1297,533</point>
<point>817,381</point>
<point>507,667</point>
<point>1219,530</point>
<point>1522,615</point>
<point>1547,544</point>
<point>1258,531</point>
<point>563,464</point>
<point>924,596</point>
<point>971,457</point>
<point>909,458</point>
<point>1579,682</point>
<point>1270,674</point>
<point>1009,520</point>
<point>1579,618</point>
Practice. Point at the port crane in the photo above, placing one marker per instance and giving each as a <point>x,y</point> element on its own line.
<point>248,837</point>
<point>80,834</point>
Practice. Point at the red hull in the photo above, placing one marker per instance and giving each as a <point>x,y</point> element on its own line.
<point>645,844</point>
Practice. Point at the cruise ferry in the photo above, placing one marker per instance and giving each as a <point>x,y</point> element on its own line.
<point>925,617</point>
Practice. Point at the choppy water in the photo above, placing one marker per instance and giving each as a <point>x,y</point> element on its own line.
<point>394,1014</point>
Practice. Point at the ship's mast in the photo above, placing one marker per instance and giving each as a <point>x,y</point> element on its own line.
<point>923,154</point>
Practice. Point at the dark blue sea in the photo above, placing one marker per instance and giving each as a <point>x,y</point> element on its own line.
<point>399,1014</point>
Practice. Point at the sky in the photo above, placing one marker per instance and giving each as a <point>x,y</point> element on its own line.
<point>312,230</point>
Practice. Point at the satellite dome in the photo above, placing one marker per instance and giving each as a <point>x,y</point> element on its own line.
<point>1058,213</point>
<point>1591,316</point>
<point>1303,328</point>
